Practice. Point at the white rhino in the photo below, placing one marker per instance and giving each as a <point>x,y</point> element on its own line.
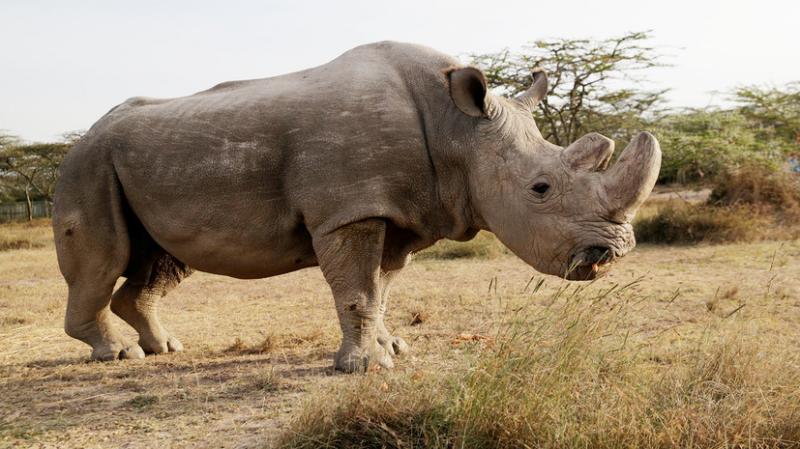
<point>352,166</point>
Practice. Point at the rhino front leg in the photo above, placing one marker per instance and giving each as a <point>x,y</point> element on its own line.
<point>350,259</point>
<point>393,345</point>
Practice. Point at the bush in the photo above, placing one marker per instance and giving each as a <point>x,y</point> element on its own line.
<point>688,223</point>
<point>757,185</point>
<point>699,145</point>
<point>752,202</point>
<point>485,245</point>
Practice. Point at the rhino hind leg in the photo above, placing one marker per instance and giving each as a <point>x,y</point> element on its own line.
<point>152,273</point>
<point>93,250</point>
<point>393,345</point>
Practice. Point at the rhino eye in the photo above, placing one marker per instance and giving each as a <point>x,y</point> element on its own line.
<point>540,188</point>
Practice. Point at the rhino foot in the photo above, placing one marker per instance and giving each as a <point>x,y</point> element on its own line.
<point>117,352</point>
<point>352,359</point>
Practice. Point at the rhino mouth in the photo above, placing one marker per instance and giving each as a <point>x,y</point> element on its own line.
<point>589,263</point>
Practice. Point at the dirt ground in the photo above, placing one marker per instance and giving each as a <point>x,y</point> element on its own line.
<point>256,351</point>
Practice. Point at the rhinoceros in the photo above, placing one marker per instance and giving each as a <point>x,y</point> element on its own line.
<point>350,166</point>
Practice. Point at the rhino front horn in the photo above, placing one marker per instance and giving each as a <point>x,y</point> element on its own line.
<point>629,182</point>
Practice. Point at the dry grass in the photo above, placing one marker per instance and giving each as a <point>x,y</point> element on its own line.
<point>572,375</point>
<point>25,235</point>
<point>648,365</point>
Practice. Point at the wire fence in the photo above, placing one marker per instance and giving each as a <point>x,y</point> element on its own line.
<point>19,211</point>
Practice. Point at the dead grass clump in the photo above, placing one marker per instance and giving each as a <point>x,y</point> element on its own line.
<point>13,320</point>
<point>8,245</point>
<point>262,382</point>
<point>376,412</point>
<point>266,382</point>
<point>27,235</point>
<point>569,377</point>
<point>485,245</point>
<point>688,223</point>
<point>265,346</point>
<point>418,318</point>
<point>273,342</point>
<point>756,185</point>
<point>142,401</point>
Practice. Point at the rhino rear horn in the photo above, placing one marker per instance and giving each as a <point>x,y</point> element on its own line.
<point>591,152</point>
<point>629,182</point>
<point>538,90</point>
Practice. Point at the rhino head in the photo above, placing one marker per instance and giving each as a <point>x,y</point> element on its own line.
<point>564,211</point>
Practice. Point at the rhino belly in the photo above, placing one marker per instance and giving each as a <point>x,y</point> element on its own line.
<point>217,216</point>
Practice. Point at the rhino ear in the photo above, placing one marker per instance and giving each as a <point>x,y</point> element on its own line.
<point>468,90</point>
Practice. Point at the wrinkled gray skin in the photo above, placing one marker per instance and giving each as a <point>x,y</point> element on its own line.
<point>351,166</point>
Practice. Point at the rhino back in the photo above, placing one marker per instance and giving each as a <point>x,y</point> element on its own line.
<point>248,170</point>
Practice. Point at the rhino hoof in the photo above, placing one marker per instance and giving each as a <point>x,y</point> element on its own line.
<point>394,345</point>
<point>356,360</point>
<point>400,346</point>
<point>174,345</point>
<point>118,353</point>
<point>171,344</point>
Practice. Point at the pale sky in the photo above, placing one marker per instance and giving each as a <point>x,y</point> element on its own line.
<point>64,64</point>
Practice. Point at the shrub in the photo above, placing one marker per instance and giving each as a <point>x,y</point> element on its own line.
<point>698,145</point>
<point>752,202</point>
<point>688,223</point>
<point>758,185</point>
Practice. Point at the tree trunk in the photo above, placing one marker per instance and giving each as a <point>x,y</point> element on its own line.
<point>28,203</point>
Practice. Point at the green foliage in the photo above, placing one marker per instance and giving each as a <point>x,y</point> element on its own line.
<point>761,131</point>
<point>776,112</point>
<point>700,144</point>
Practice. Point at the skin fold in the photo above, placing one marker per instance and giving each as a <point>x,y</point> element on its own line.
<point>350,166</point>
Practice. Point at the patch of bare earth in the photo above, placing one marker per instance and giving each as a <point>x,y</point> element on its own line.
<point>256,351</point>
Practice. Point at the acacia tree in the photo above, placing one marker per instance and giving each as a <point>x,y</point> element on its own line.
<point>776,111</point>
<point>10,187</point>
<point>31,169</point>
<point>582,74</point>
